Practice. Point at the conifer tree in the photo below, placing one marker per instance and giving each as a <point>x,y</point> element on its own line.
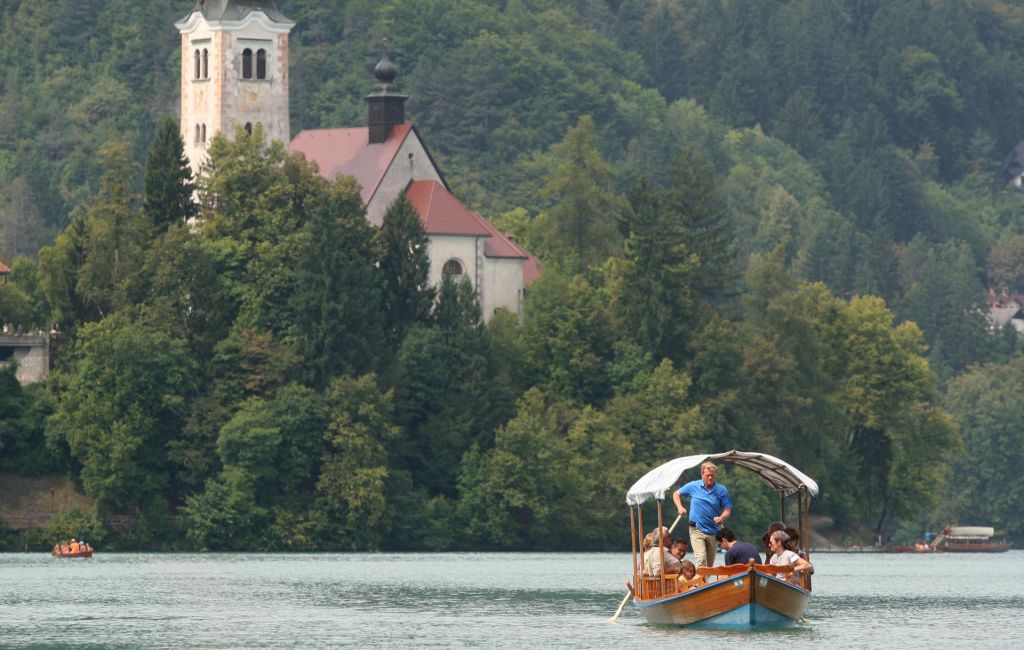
<point>581,227</point>
<point>168,183</point>
<point>700,207</point>
<point>405,267</point>
<point>337,309</point>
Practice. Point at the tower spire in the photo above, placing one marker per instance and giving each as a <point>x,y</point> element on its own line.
<point>385,103</point>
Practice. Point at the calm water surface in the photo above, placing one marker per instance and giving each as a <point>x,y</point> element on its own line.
<point>495,600</point>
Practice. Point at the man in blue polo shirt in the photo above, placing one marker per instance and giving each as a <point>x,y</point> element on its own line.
<point>710,505</point>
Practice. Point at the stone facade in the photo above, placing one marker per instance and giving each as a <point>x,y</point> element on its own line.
<point>234,74</point>
<point>32,354</point>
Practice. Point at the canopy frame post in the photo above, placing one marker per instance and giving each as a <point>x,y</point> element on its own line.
<point>661,551</point>
<point>632,535</point>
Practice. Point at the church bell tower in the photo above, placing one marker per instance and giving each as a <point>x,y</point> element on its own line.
<point>234,72</point>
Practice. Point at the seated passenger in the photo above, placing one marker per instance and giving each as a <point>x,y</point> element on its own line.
<point>74,546</point>
<point>657,555</point>
<point>766,538</point>
<point>678,548</point>
<point>736,551</point>
<point>785,557</point>
<point>688,576</point>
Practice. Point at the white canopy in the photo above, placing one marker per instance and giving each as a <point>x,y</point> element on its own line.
<point>776,473</point>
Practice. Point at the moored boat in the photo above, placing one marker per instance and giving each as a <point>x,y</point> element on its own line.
<point>736,596</point>
<point>970,539</point>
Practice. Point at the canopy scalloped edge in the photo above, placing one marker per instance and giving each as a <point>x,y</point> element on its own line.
<point>775,472</point>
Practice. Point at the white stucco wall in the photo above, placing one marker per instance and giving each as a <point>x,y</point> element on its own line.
<point>465,249</point>
<point>223,99</point>
<point>503,283</point>
<point>411,163</point>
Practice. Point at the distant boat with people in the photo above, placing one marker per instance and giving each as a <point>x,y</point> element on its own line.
<point>74,548</point>
<point>970,539</point>
<point>957,539</point>
<point>737,596</point>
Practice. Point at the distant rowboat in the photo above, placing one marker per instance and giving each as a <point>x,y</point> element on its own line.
<point>78,554</point>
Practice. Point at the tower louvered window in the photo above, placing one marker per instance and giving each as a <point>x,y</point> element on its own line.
<point>246,63</point>
<point>261,64</point>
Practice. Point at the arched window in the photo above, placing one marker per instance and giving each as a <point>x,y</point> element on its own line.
<point>198,69</point>
<point>248,128</point>
<point>197,134</point>
<point>261,64</point>
<point>452,267</point>
<point>246,63</point>
<point>203,134</point>
<point>206,63</point>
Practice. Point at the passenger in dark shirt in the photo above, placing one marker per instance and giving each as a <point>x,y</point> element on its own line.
<point>736,552</point>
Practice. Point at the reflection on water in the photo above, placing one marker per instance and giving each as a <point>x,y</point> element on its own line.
<point>474,600</point>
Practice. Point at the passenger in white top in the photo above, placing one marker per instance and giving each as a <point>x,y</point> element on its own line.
<point>652,565</point>
<point>784,557</point>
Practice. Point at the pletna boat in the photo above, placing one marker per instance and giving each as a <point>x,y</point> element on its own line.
<point>736,596</point>
<point>969,539</point>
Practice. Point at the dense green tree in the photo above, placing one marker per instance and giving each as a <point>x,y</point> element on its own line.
<point>115,240</point>
<point>1005,264</point>
<point>941,292</point>
<point>353,481</point>
<point>338,321</point>
<point>694,199</point>
<point>985,484</point>
<point>570,337</point>
<point>580,228</point>
<point>122,400</point>
<point>655,291</point>
<point>168,183</point>
<point>405,269</point>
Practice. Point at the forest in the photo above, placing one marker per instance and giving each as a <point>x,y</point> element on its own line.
<point>767,225</point>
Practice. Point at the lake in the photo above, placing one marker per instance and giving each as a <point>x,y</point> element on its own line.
<point>486,600</point>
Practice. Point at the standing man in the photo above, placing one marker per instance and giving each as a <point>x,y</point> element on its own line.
<point>736,551</point>
<point>711,506</point>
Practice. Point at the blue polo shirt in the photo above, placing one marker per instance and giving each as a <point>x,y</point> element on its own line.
<point>705,504</point>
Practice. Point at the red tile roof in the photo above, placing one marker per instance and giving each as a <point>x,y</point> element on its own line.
<point>441,213</point>
<point>349,152</point>
<point>4,269</point>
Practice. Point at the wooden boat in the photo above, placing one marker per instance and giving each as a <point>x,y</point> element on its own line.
<point>78,554</point>
<point>970,539</point>
<point>735,596</point>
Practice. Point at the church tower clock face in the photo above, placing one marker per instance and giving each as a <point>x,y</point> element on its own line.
<point>234,72</point>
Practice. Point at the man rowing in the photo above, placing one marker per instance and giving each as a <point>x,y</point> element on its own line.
<point>710,506</point>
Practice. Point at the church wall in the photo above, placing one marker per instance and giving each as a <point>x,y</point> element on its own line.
<point>503,281</point>
<point>465,249</point>
<point>411,163</point>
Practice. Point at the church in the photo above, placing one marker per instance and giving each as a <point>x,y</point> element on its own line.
<point>234,73</point>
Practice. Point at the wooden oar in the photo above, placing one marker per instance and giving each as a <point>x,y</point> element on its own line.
<point>615,616</point>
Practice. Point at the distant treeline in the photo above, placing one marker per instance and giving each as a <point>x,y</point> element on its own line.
<point>764,225</point>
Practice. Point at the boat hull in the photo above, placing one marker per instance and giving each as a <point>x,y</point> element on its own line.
<point>79,554</point>
<point>748,600</point>
<point>986,547</point>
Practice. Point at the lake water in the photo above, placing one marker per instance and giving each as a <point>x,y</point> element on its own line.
<point>494,600</point>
